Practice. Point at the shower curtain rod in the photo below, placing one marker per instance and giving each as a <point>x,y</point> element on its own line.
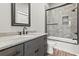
<point>58,6</point>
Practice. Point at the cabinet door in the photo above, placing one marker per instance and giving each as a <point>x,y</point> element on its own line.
<point>43,45</point>
<point>19,50</point>
<point>35,47</point>
<point>78,22</point>
<point>29,48</point>
<point>13,51</point>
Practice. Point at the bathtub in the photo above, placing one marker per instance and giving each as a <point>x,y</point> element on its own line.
<point>52,42</point>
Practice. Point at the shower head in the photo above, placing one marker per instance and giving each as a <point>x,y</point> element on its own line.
<point>74,10</point>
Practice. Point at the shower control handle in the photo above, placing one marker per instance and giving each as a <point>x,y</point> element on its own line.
<point>76,33</point>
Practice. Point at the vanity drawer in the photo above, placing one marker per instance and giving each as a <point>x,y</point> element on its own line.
<point>13,51</point>
<point>33,43</point>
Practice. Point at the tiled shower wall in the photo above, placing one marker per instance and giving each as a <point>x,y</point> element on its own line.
<point>55,26</point>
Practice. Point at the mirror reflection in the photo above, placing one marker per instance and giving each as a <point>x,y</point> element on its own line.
<point>22,13</point>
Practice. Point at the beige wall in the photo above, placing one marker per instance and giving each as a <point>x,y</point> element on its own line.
<point>37,18</point>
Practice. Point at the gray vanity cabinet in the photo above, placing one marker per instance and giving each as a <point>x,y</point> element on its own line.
<point>36,47</point>
<point>13,51</point>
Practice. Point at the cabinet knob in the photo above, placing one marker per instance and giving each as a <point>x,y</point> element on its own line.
<point>36,50</point>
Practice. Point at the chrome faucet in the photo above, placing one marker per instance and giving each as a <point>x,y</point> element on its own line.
<point>24,30</point>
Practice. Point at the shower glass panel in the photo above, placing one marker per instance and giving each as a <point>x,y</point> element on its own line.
<point>62,21</point>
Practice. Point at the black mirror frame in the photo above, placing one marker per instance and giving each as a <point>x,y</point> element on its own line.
<point>13,15</point>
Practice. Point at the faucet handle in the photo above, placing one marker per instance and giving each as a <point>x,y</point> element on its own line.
<point>24,30</point>
<point>19,33</point>
<point>74,39</point>
<point>76,33</point>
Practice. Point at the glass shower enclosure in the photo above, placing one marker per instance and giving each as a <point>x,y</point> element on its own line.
<point>61,20</point>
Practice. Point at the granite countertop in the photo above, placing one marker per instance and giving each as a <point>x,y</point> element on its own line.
<point>8,41</point>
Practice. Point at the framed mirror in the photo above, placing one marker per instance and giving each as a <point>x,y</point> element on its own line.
<point>20,14</point>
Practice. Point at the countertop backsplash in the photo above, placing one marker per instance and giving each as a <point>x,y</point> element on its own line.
<point>2,34</point>
<point>8,34</point>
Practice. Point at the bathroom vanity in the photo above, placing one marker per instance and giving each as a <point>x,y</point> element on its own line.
<point>24,45</point>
